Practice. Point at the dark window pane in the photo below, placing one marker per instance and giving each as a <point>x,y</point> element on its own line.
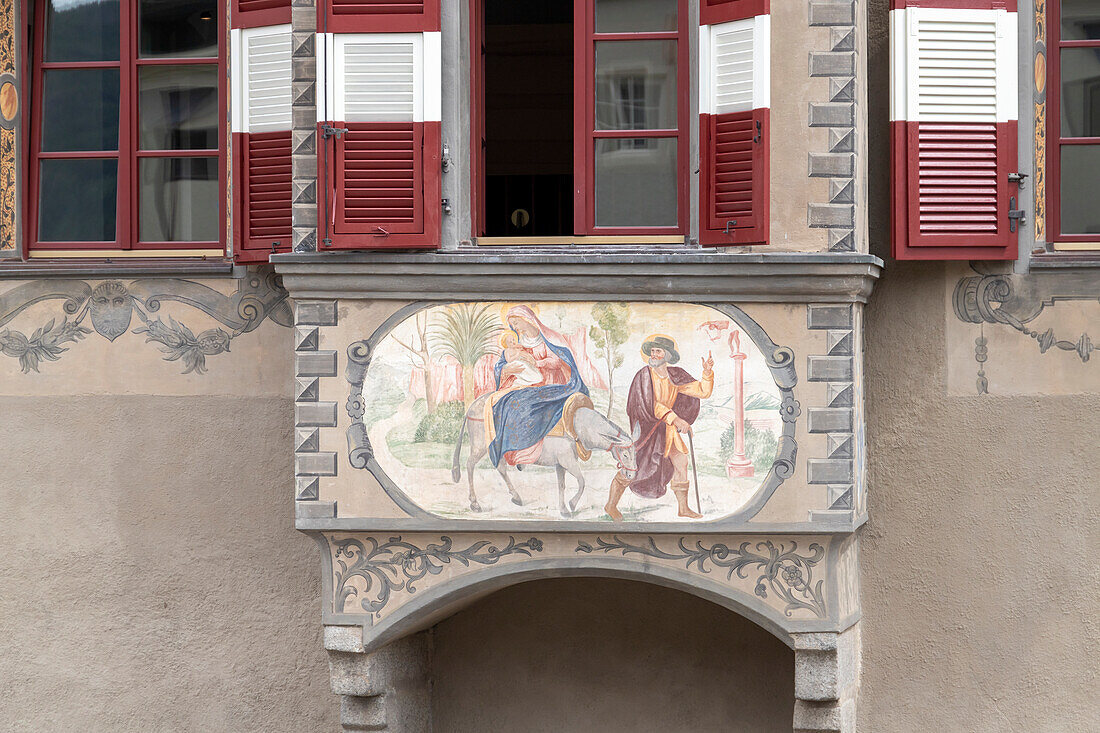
<point>80,110</point>
<point>178,107</point>
<point>82,31</point>
<point>178,28</point>
<point>1080,107</point>
<point>636,182</point>
<point>1080,20</point>
<point>1079,199</point>
<point>179,200</point>
<point>636,85</point>
<point>627,16</point>
<point>77,200</point>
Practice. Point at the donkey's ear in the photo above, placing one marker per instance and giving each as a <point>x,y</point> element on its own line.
<point>636,435</point>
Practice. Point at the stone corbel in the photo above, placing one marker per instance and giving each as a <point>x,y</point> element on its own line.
<point>385,690</point>
<point>826,679</point>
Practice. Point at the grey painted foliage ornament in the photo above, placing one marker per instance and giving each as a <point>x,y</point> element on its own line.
<point>395,565</point>
<point>110,307</point>
<point>783,571</point>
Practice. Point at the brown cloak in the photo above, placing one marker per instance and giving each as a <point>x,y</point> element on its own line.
<point>654,468</point>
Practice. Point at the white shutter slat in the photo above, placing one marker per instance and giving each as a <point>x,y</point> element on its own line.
<point>267,79</point>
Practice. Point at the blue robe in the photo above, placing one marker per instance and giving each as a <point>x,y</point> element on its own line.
<point>522,418</point>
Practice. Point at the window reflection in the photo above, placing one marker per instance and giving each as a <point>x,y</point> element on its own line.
<point>178,200</point>
<point>82,30</point>
<point>77,200</point>
<point>636,182</point>
<point>635,85</point>
<point>178,28</point>
<point>178,107</point>
<point>1080,214</point>
<point>80,109</point>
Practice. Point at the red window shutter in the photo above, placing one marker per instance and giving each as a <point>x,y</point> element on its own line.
<point>378,16</point>
<point>954,130</point>
<point>257,13</point>
<point>719,11</point>
<point>735,187</point>
<point>264,203</point>
<point>380,160</point>
<point>734,177</point>
<point>261,140</point>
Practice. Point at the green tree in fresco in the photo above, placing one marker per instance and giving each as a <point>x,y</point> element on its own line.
<point>608,333</point>
<point>465,332</point>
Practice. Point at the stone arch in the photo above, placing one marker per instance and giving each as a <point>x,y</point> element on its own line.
<point>383,670</point>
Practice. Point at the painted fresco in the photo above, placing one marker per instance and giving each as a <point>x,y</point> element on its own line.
<point>636,412</point>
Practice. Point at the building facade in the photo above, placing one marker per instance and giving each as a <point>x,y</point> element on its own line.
<point>614,365</point>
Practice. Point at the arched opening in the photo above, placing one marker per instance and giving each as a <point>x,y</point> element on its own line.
<point>606,654</point>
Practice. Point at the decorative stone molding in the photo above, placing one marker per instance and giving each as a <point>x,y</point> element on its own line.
<point>701,277</point>
<point>837,418</point>
<point>303,149</point>
<point>840,116</point>
<point>311,365</point>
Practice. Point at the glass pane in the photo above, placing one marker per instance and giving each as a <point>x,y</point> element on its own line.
<point>1080,92</point>
<point>632,16</point>
<point>178,107</point>
<point>179,28</point>
<point>636,182</point>
<point>77,200</point>
<point>636,85</point>
<point>1079,199</point>
<point>82,31</point>
<point>178,200</point>
<point>80,109</point>
<point>1080,20</point>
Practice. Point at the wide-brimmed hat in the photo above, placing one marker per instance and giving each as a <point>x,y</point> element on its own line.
<point>660,341</point>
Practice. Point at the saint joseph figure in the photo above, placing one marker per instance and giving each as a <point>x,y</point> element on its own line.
<point>662,404</point>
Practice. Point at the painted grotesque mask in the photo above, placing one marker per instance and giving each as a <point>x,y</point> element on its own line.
<point>111,307</point>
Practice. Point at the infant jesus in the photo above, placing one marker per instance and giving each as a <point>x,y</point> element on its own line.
<point>519,366</point>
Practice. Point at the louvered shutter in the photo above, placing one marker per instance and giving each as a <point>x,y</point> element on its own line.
<point>734,81</point>
<point>380,138</point>
<point>257,13</point>
<point>954,127</point>
<point>261,140</point>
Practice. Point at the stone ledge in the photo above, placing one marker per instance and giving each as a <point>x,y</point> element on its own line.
<point>702,277</point>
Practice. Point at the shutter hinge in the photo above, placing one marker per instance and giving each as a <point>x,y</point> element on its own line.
<point>446,203</point>
<point>758,135</point>
<point>1015,215</point>
<point>328,131</point>
<point>1018,179</point>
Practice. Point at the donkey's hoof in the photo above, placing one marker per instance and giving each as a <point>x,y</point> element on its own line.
<point>475,507</point>
<point>517,501</point>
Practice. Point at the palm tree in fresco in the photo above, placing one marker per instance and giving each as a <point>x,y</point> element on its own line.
<point>466,332</point>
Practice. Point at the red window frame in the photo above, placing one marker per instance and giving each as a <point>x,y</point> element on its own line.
<point>1055,141</point>
<point>128,152</point>
<point>585,133</point>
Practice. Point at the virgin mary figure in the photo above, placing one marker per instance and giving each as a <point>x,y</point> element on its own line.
<point>521,416</point>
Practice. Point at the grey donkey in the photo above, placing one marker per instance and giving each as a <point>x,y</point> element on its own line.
<point>594,431</point>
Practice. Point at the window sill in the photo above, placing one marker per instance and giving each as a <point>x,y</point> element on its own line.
<point>1066,259</point>
<point>578,241</point>
<point>105,267</point>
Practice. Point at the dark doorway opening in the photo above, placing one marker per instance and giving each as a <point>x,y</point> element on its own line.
<point>528,118</point>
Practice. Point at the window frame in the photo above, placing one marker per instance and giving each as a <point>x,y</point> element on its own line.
<point>1054,139</point>
<point>585,133</point>
<point>127,241</point>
